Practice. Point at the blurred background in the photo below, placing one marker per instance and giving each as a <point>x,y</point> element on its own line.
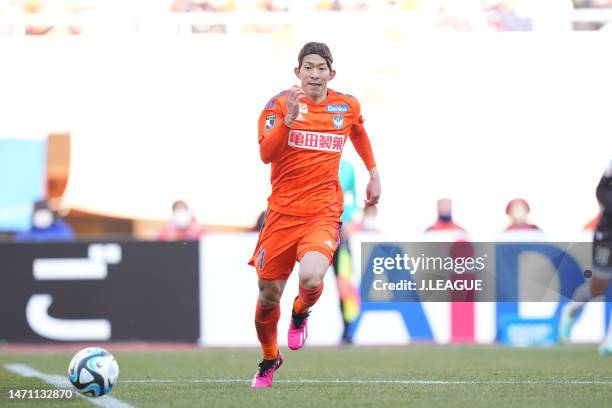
<point>136,104</point>
<point>134,119</point>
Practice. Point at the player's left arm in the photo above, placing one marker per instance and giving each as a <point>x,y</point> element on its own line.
<point>361,142</point>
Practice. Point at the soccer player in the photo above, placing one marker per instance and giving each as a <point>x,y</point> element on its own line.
<point>302,132</point>
<point>602,267</point>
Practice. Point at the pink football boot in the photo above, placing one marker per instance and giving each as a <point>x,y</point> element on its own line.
<point>298,330</point>
<point>265,374</point>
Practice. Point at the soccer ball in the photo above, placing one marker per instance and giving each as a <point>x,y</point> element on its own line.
<point>93,371</point>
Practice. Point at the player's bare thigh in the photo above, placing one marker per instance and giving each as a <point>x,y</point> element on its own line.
<point>313,267</point>
<point>270,292</point>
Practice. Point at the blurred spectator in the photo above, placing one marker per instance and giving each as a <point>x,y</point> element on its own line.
<point>447,15</point>
<point>182,225</point>
<point>344,5</point>
<point>36,7</point>
<point>275,5</point>
<point>592,3</point>
<point>329,5</point>
<point>503,16</point>
<point>598,20</point>
<point>369,221</point>
<point>517,210</point>
<point>54,8</point>
<point>184,6</point>
<point>445,217</point>
<point>445,230</point>
<point>202,5</point>
<point>46,226</point>
<point>213,6</point>
<point>461,15</point>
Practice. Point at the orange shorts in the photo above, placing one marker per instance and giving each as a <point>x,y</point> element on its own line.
<point>285,239</point>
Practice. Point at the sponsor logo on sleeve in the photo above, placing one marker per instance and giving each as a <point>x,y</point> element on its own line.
<point>334,108</point>
<point>270,121</point>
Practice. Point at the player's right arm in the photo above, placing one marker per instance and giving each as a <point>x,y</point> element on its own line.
<point>274,126</point>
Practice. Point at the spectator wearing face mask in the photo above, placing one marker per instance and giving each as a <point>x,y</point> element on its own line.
<point>182,226</point>
<point>445,217</point>
<point>517,210</point>
<point>46,226</point>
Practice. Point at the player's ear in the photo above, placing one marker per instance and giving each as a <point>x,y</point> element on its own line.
<point>296,71</point>
<point>332,74</point>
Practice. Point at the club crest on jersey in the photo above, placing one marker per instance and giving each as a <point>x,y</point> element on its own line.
<point>270,121</point>
<point>338,121</point>
<point>335,108</point>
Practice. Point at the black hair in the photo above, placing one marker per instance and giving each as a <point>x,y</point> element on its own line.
<point>320,49</point>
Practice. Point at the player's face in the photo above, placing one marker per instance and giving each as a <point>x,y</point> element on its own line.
<point>314,75</point>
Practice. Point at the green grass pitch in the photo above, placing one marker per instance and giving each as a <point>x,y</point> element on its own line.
<point>452,376</point>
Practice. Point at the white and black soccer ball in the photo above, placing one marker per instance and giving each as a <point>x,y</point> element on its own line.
<point>93,371</point>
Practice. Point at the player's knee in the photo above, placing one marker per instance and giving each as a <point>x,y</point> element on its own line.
<point>311,276</point>
<point>311,282</point>
<point>268,301</point>
<point>312,269</point>
<point>269,297</point>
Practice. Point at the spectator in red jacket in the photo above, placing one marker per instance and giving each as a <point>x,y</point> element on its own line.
<point>445,217</point>
<point>518,210</point>
<point>182,226</point>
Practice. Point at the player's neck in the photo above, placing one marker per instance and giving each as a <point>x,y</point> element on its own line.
<point>318,98</point>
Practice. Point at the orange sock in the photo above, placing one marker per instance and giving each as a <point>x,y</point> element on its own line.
<point>306,298</point>
<point>266,321</point>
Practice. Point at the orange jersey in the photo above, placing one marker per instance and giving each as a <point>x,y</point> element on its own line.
<point>305,157</point>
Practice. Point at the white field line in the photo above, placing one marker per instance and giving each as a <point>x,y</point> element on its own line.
<point>376,381</point>
<point>60,381</point>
